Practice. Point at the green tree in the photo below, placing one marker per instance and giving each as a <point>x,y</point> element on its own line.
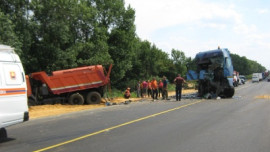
<point>179,60</point>
<point>67,35</point>
<point>245,66</point>
<point>8,35</point>
<point>149,61</point>
<point>122,42</point>
<point>18,12</point>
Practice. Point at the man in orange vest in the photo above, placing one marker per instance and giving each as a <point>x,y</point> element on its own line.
<point>127,93</point>
<point>149,89</point>
<point>154,86</point>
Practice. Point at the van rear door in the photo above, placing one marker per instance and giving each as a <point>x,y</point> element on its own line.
<point>13,98</point>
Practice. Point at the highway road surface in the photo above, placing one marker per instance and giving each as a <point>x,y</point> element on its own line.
<point>239,124</point>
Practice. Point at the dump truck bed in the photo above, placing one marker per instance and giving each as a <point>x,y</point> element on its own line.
<point>75,79</point>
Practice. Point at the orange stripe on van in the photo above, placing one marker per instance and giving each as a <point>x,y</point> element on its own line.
<point>13,91</point>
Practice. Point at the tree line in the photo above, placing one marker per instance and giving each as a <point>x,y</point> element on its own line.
<point>245,66</point>
<point>59,34</point>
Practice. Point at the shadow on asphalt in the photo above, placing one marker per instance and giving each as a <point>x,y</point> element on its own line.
<point>4,137</point>
<point>3,140</point>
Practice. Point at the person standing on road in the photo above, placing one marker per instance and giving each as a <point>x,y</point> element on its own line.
<point>144,85</point>
<point>160,86</point>
<point>138,87</point>
<point>149,89</point>
<point>154,86</point>
<point>178,87</point>
<point>141,87</point>
<point>165,88</point>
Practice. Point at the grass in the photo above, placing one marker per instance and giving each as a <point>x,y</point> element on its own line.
<point>189,85</point>
<point>248,76</point>
<point>114,93</point>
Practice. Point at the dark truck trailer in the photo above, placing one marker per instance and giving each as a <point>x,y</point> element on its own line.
<point>214,73</point>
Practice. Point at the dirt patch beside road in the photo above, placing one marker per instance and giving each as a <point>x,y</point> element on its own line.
<point>52,110</point>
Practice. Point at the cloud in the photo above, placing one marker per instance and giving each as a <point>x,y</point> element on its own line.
<point>155,15</point>
<point>198,25</point>
<point>263,11</point>
<point>214,25</point>
<point>242,28</point>
<point>158,14</point>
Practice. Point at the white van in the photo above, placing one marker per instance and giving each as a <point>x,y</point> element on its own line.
<point>255,77</point>
<point>13,91</point>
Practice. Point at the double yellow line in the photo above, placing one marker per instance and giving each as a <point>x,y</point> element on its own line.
<point>115,127</point>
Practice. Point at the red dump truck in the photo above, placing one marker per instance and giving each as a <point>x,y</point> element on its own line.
<point>74,86</point>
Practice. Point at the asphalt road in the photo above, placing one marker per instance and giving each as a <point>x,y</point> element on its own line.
<point>240,124</point>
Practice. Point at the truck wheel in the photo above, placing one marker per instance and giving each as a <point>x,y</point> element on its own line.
<point>93,98</point>
<point>76,99</point>
<point>31,102</point>
<point>229,92</point>
<point>200,91</point>
<point>3,134</point>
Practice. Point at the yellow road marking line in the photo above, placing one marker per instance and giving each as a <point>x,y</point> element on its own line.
<point>114,127</point>
<point>263,97</point>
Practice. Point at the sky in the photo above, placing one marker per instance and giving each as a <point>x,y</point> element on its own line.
<point>192,26</point>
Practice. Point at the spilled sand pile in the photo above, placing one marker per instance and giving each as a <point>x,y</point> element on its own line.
<point>57,109</point>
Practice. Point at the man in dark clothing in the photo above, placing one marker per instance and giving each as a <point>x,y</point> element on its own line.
<point>165,88</point>
<point>178,87</point>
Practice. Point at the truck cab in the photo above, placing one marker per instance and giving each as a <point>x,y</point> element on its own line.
<point>13,97</point>
<point>214,73</point>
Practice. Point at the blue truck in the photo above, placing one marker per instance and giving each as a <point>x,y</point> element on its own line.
<point>214,73</point>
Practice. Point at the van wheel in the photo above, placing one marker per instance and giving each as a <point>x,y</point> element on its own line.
<point>3,134</point>
<point>76,99</point>
<point>93,98</point>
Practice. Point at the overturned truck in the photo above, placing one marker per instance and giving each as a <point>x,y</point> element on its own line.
<point>74,86</point>
<point>214,72</point>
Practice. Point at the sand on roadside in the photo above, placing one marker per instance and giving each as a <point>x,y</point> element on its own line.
<point>57,109</point>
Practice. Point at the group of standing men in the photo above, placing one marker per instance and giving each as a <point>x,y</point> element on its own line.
<point>153,88</point>
<point>156,89</point>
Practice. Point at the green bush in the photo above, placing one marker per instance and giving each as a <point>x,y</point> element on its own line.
<point>115,93</point>
<point>171,87</point>
<point>248,76</point>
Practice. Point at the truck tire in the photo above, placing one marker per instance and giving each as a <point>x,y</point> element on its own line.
<point>31,102</point>
<point>93,97</point>
<point>228,93</point>
<point>76,99</point>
